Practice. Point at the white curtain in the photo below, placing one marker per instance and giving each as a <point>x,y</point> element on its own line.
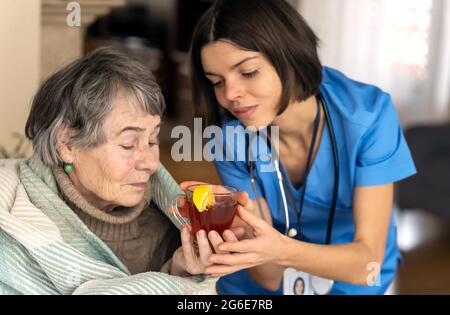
<point>403,46</point>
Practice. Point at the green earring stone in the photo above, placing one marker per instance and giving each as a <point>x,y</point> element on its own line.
<point>68,168</point>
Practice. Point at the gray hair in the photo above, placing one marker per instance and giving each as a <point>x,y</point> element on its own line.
<point>80,96</point>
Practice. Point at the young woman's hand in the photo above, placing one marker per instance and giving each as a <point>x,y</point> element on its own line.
<point>265,247</point>
<point>239,227</point>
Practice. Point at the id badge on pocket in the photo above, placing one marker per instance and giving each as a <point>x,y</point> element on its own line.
<point>296,282</point>
<point>301,283</point>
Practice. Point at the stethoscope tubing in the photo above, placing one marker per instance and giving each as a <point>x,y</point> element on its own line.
<point>280,179</point>
<point>276,164</point>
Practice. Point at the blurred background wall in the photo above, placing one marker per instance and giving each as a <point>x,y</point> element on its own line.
<point>403,46</point>
<point>19,65</point>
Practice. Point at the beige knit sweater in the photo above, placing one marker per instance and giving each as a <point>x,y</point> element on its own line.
<point>142,237</point>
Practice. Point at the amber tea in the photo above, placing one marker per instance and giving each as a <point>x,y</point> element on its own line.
<point>210,207</point>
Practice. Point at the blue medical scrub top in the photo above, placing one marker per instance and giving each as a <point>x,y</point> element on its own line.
<point>372,151</point>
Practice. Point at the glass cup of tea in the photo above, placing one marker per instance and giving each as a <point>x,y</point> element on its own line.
<point>206,207</point>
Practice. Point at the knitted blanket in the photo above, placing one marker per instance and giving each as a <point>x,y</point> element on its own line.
<point>46,249</point>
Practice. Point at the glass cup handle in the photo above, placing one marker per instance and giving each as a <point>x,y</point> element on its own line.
<point>176,204</point>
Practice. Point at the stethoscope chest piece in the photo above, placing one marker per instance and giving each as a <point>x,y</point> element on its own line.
<point>292,232</point>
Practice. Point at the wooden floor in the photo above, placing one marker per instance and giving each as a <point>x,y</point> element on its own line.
<point>425,243</point>
<point>423,238</point>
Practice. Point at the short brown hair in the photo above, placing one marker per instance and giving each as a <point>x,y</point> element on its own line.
<point>271,27</point>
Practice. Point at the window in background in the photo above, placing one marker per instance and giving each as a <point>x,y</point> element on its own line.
<point>403,46</point>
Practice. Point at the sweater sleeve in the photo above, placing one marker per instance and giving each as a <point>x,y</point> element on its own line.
<point>150,283</point>
<point>21,274</point>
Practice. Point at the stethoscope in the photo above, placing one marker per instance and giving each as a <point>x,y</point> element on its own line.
<point>325,285</point>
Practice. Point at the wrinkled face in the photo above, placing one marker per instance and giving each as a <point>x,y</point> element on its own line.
<point>245,82</point>
<point>116,173</point>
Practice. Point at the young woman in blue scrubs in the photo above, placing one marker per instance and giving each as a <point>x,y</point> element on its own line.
<point>254,64</point>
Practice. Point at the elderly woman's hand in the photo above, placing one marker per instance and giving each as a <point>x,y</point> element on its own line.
<point>192,257</point>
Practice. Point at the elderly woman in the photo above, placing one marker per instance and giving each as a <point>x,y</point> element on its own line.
<point>81,215</point>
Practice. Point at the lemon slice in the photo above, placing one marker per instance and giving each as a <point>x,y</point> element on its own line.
<point>203,197</point>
